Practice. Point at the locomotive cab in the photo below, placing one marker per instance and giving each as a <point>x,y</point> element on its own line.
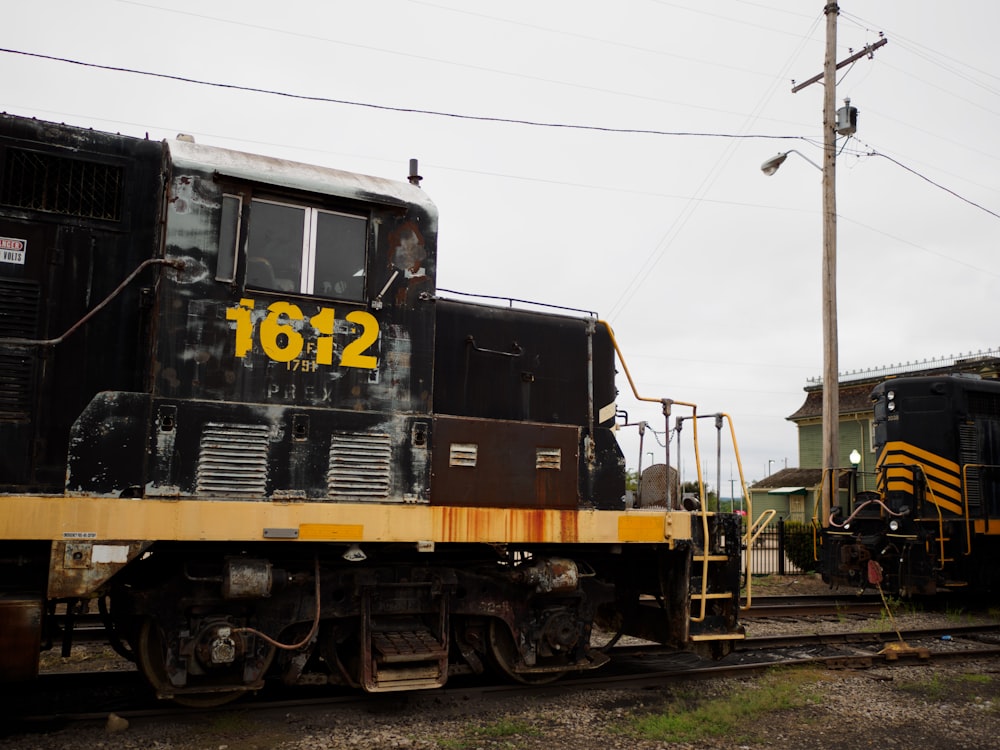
<point>269,369</point>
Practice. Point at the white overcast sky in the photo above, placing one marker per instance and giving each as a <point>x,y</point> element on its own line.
<point>708,271</point>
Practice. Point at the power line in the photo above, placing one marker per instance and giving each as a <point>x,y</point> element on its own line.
<point>768,28</point>
<point>947,90</point>
<point>404,110</point>
<point>476,118</point>
<point>427,58</point>
<point>927,179</point>
<point>901,240</point>
<point>931,55</point>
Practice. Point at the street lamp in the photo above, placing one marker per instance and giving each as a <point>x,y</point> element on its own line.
<point>855,459</point>
<point>771,165</point>
<point>831,383</point>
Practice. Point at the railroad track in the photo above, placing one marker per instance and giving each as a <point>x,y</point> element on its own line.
<point>862,637</point>
<point>632,667</point>
<point>89,628</point>
<point>812,606</point>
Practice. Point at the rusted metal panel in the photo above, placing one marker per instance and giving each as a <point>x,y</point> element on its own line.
<point>529,366</point>
<point>491,463</point>
<point>21,626</point>
<point>80,568</point>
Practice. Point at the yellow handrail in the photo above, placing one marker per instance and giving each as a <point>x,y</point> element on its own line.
<point>937,507</point>
<point>965,503</point>
<point>635,391</point>
<point>703,509</point>
<point>754,530</point>
<point>704,505</point>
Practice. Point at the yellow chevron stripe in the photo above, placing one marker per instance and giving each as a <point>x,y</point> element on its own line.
<point>955,508</point>
<point>942,474</point>
<point>899,472</point>
<point>902,480</point>
<point>939,500</point>
<point>925,457</point>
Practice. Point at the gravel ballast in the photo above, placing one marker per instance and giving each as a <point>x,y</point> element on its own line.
<point>932,705</point>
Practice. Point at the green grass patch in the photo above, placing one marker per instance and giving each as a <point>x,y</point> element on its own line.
<point>972,686</point>
<point>976,678</point>
<point>693,720</point>
<point>963,616</point>
<point>450,744</point>
<point>935,688</point>
<point>506,730</point>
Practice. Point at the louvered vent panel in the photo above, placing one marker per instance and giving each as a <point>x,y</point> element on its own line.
<point>19,304</point>
<point>360,465</point>
<point>548,458</point>
<point>463,454</point>
<point>968,446</point>
<point>56,184</point>
<point>232,459</point>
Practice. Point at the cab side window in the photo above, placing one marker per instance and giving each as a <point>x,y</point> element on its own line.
<point>306,250</point>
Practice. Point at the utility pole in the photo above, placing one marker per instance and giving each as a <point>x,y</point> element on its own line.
<point>831,380</point>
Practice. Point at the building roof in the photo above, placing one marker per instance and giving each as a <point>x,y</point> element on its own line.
<point>853,398</point>
<point>855,388</point>
<point>807,478</point>
<point>790,478</point>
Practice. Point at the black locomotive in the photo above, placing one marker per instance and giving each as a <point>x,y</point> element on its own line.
<point>934,522</point>
<point>240,425</point>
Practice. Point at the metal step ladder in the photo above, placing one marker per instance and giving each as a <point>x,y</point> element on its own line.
<point>714,592</point>
<point>402,650</point>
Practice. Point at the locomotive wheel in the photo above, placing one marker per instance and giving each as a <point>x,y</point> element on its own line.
<point>151,654</point>
<point>504,655</point>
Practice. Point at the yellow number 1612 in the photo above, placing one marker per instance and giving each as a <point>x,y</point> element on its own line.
<point>283,342</point>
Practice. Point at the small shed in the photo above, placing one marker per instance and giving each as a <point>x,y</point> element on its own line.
<point>790,493</point>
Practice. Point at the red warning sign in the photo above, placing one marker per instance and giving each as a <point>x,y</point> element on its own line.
<point>12,250</point>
